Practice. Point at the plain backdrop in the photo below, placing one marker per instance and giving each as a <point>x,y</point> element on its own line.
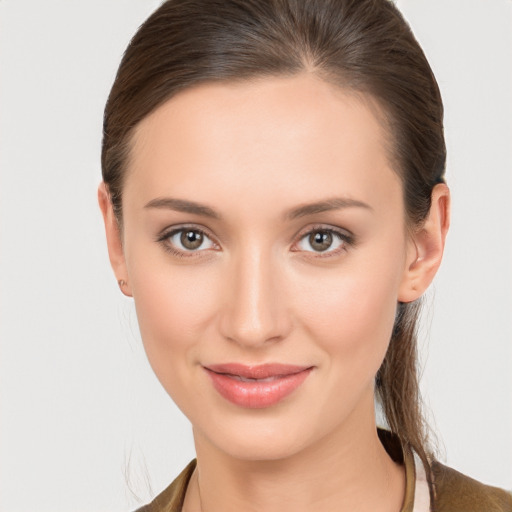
<point>85,425</point>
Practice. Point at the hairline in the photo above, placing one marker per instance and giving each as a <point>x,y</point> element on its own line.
<point>366,97</point>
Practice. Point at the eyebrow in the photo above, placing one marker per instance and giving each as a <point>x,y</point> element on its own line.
<point>335,203</point>
<point>182,205</point>
<point>186,206</point>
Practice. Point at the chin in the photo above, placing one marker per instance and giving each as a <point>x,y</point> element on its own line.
<point>260,437</point>
<point>263,447</point>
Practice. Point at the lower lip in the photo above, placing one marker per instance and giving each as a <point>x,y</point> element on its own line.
<point>259,393</point>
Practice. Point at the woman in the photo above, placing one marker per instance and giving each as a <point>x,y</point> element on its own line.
<point>274,201</point>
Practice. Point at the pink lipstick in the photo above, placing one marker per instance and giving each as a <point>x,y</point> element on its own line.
<point>258,386</point>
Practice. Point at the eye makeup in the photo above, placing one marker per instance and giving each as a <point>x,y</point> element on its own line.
<point>324,241</point>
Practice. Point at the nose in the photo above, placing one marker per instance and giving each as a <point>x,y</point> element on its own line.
<point>255,311</point>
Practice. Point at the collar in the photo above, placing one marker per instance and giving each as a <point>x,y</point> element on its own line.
<point>416,499</point>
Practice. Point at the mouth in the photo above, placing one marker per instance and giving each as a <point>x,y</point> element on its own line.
<point>259,386</point>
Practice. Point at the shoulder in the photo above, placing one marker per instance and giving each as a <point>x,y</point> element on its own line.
<point>455,492</point>
<point>171,499</point>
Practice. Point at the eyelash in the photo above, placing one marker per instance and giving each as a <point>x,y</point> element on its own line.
<point>166,235</point>
<point>346,238</point>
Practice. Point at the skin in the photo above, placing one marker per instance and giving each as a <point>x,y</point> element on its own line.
<point>259,291</point>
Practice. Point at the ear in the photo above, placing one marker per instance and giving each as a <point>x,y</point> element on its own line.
<point>114,241</point>
<point>426,247</point>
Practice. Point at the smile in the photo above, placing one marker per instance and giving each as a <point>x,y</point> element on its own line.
<point>256,387</point>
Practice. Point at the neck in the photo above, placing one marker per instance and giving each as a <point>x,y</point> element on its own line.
<point>348,470</point>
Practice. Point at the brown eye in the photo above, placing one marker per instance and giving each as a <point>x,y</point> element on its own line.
<point>191,239</point>
<point>186,241</point>
<point>329,241</point>
<point>320,240</point>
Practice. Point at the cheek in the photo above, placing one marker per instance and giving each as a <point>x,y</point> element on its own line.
<point>351,315</point>
<point>174,306</point>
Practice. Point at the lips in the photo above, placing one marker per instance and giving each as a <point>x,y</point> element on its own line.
<point>259,386</point>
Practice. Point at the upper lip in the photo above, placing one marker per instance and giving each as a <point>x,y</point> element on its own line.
<point>259,371</point>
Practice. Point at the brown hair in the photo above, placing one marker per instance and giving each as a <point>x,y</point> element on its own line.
<point>361,45</point>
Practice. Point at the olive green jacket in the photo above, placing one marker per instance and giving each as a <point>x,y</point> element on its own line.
<point>450,491</point>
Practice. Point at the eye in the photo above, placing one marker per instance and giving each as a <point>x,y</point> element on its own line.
<point>186,240</point>
<point>323,240</point>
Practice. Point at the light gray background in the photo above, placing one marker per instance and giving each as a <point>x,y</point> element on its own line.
<point>83,420</point>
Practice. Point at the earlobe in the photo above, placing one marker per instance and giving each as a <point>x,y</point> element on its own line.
<point>114,242</point>
<point>426,247</point>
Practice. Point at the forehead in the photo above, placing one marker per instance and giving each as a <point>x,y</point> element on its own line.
<point>288,138</point>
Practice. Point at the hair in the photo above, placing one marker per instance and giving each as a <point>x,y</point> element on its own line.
<point>364,46</point>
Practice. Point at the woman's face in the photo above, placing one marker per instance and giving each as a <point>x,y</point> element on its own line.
<point>264,225</point>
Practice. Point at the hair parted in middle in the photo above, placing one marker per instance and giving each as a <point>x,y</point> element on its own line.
<point>362,46</point>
